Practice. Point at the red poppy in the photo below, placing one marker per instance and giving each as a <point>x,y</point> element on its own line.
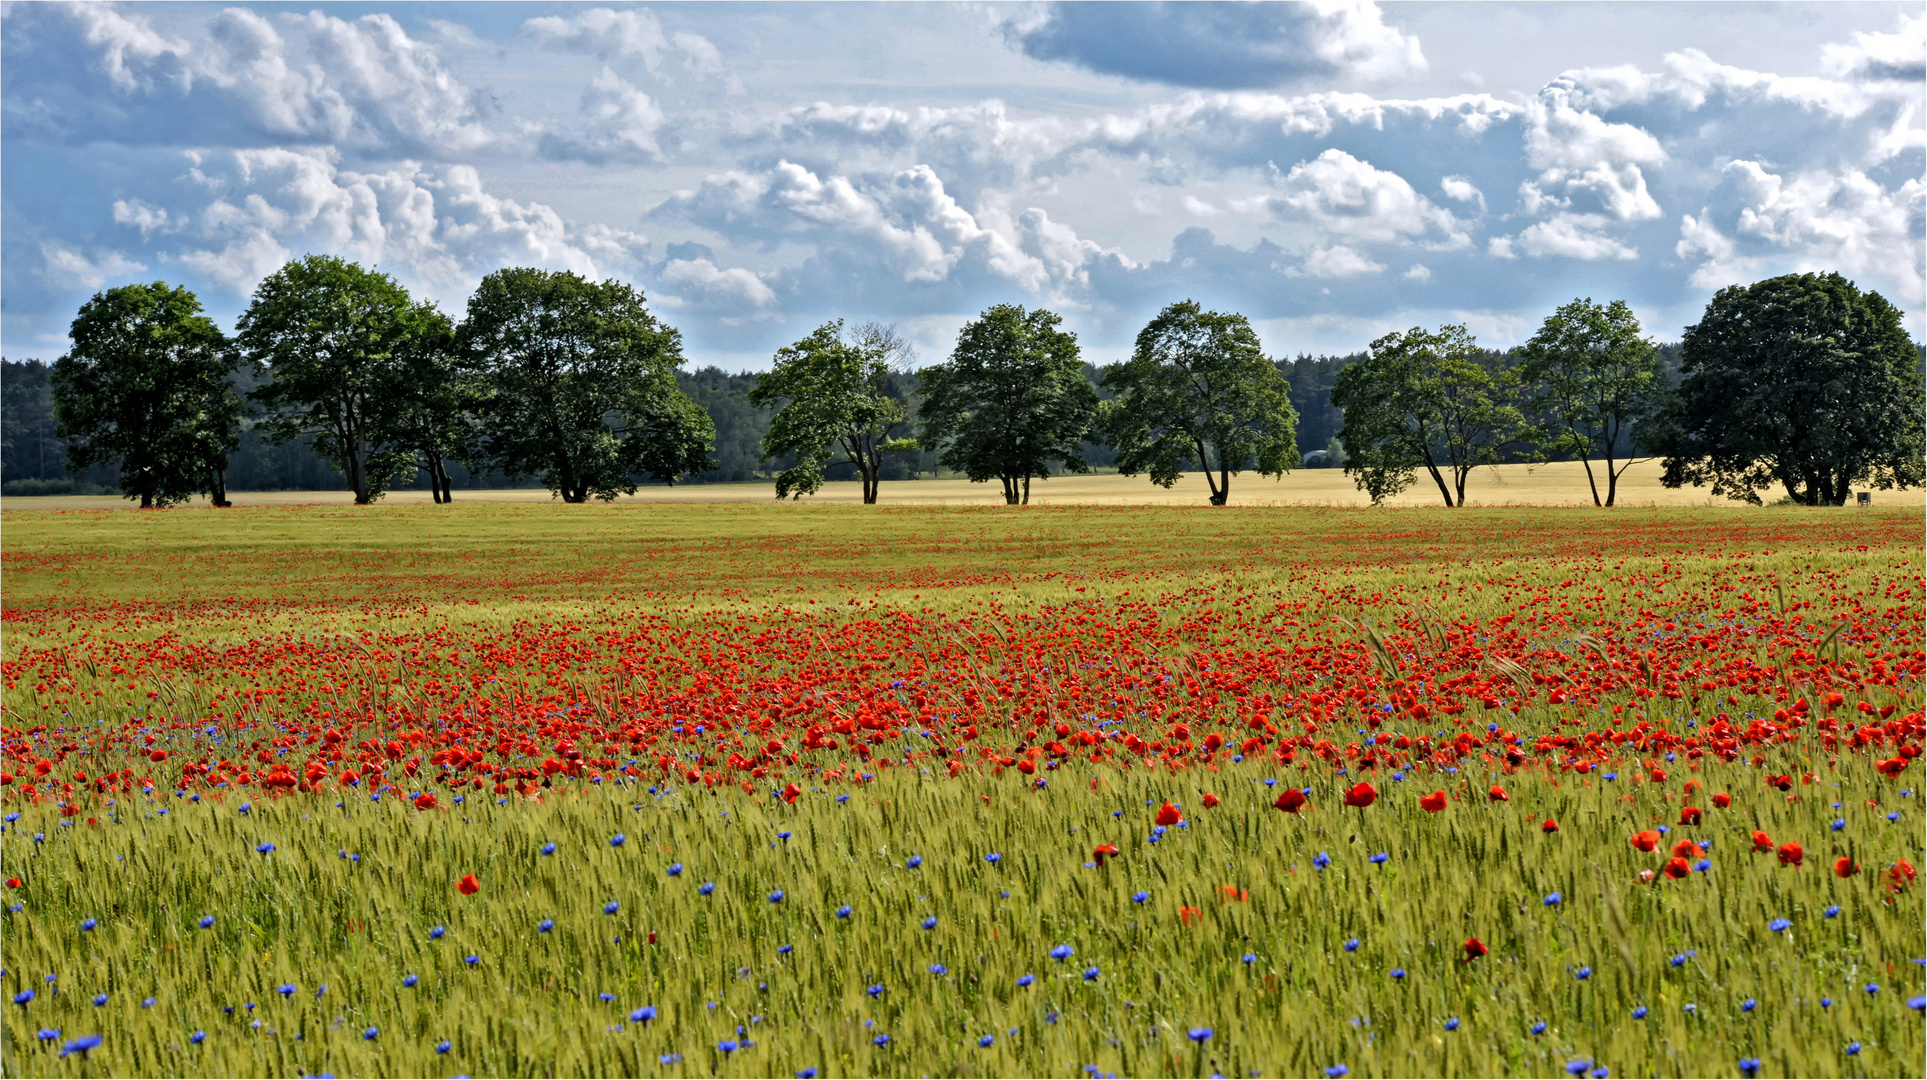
<point>1761,841</point>
<point>1892,766</point>
<point>1689,815</point>
<point>1722,800</point>
<point>1103,851</point>
<point>13,883</point>
<point>1027,767</point>
<point>1677,868</point>
<point>1646,840</point>
<point>652,937</point>
<point>1686,849</point>
<point>425,801</point>
<point>1432,803</point>
<point>1901,874</point>
<point>1291,800</point>
<point>1784,783</point>
<point>1210,800</point>
<point>1496,794</point>
<point>468,886</point>
<point>1549,826</point>
<point>791,791</point>
<point>1844,867</point>
<point>1791,853</point>
<point>1474,948</point>
<point>1189,915</point>
<point>1361,795</point>
<point>1168,815</point>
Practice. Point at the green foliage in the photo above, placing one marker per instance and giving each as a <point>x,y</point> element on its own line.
<point>343,347</point>
<point>832,395</point>
<point>1011,401</point>
<point>146,386</point>
<point>579,385</point>
<point>1430,399</point>
<point>1199,388</point>
<point>1596,379</point>
<point>1800,380</point>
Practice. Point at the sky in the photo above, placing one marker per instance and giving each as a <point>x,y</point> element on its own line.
<point>1333,170</point>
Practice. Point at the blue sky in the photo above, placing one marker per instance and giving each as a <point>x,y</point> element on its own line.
<point>1333,170</point>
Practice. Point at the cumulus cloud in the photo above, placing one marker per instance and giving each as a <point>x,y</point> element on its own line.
<point>1899,57</point>
<point>1762,221</point>
<point>140,215</point>
<point>610,34</point>
<point>1222,45</point>
<point>1571,236</point>
<point>621,122</point>
<point>1460,189</point>
<point>1338,193</point>
<point>69,265</point>
<point>703,281</point>
<point>1339,261</point>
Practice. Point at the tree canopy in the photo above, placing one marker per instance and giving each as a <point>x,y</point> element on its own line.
<point>1011,400</point>
<point>336,341</point>
<point>580,385</point>
<point>1199,389</point>
<point>1425,398</point>
<point>1802,381</point>
<point>1596,379</point>
<point>145,387</point>
<point>832,396</point>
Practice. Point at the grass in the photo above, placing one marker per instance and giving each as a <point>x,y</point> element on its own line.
<point>635,623</point>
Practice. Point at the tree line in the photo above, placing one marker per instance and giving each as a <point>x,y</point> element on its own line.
<point>1801,381</point>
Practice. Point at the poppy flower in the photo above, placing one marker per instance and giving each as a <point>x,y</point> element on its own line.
<point>1784,783</point>
<point>425,801</point>
<point>1893,766</point>
<point>1791,854</point>
<point>1901,874</point>
<point>1496,794</point>
<point>1168,815</point>
<point>1210,800</point>
<point>790,793</point>
<point>1474,948</point>
<point>1677,868</point>
<point>1102,851</point>
<point>1844,867</point>
<point>1686,849</point>
<point>13,883</point>
<point>1432,803</point>
<point>1361,795</point>
<point>468,886</point>
<point>1722,800</point>
<point>1761,841</point>
<point>1689,815</point>
<point>1291,800</point>
<point>1548,826</point>
<point>1646,840</point>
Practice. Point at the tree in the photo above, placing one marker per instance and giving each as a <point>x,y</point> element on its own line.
<point>835,399</point>
<point>580,385</point>
<point>1800,380</point>
<point>336,341</point>
<point>1200,388</point>
<point>1011,400</point>
<point>1597,380</point>
<point>1423,398</point>
<point>433,415</point>
<point>146,386</point>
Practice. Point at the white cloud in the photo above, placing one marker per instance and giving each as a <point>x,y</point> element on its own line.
<point>1340,194</point>
<point>1460,189</point>
<point>1419,273</point>
<point>637,32</point>
<point>140,215</point>
<point>1338,261</point>
<point>703,280</point>
<point>1356,40</point>
<point>1578,152</point>
<point>624,112</point>
<point>1571,236</point>
<point>69,265</point>
<point>1897,57</point>
<point>131,52</point>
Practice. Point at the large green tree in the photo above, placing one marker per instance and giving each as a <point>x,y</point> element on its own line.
<point>1802,381</point>
<point>1011,401</point>
<point>833,397</point>
<point>1199,390</point>
<point>434,417</point>
<point>337,342</point>
<point>1596,380</point>
<point>145,387</point>
<point>579,385</point>
<point>1430,399</point>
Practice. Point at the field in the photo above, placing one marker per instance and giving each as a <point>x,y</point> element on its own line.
<point>754,789</point>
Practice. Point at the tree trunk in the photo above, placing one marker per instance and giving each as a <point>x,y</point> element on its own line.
<point>1223,497</point>
<point>1593,484</point>
<point>1438,479</point>
<point>147,500</point>
<point>1612,483</point>
<point>1459,473</point>
<point>1026,489</point>
<point>219,495</point>
<point>1010,490</point>
<point>448,489</point>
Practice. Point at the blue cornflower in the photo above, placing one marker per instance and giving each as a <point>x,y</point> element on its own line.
<point>22,998</point>
<point>784,835</point>
<point>1838,824</point>
<point>545,925</point>
<point>1026,980</point>
<point>1853,1048</point>
<point>1778,925</point>
<point>444,1046</point>
<point>88,924</point>
<point>207,921</point>
<point>1639,1012</point>
<point>197,1038</point>
<point>1090,974</point>
<point>993,858</point>
<point>618,840</point>
<point>48,1034</point>
<point>727,1046</point>
<point>371,1033</point>
<point>1199,1034</point>
<point>410,980</point>
<point>264,848</point>
<point>1452,1024</point>
<point>1352,945</point>
<point>643,1015</point>
<point>706,888</point>
<point>1552,899</point>
<point>776,897</point>
<point>930,923</point>
<point>87,1042</point>
<point>1832,911</point>
<point>1539,1028</point>
<point>806,1074</point>
<point>1061,952</point>
<point>986,1040</point>
<point>1140,896</point>
<point>1398,973</point>
<point>1918,1003</point>
<point>435,932</point>
<point>611,908</point>
<point>1579,1066</point>
<point>675,869</point>
<point>548,849</point>
<point>100,999</point>
<point>842,798</point>
<point>1378,858</point>
<point>843,912</point>
<point>881,1040</point>
<point>1584,972</point>
<point>1336,1071</point>
<point>939,969</point>
<point>1250,958</point>
<point>875,990</point>
<point>1320,861</point>
<point>1749,1067</point>
<point>670,1059</point>
<point>1703,865</point>
<point>1749,1005</point>
<point>1873,988</point>
<point>915,861</point>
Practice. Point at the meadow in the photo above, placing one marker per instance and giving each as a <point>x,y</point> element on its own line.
<point>754,789</point>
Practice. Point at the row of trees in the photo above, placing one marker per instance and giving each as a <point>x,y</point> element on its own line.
<point>1802,381</point>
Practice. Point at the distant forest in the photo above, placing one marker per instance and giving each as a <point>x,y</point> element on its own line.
<point>33,456</point>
